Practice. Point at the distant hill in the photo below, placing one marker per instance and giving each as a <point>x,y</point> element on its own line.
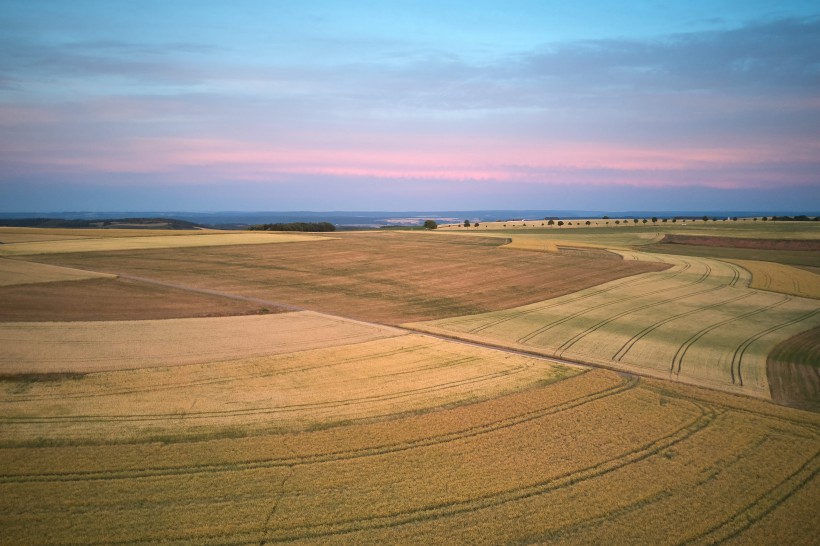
<point>109,223</point>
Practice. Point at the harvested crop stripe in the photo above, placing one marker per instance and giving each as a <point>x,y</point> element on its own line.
<point>589,459</point>
<point>782,278</point>
<point>49,347</point>
<point>282,392</point>
<point>13,272</point>
<point>146,243</point>
<point>696,322</point>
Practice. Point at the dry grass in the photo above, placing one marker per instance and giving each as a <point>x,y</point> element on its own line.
<point>696,322</point>
<point>49,347</point>
<point>13,272</point>
<point>590,459</point>
<point>380,277</point>
<point>782,278</point>
<point>281,392</point>
<point>109,244</point>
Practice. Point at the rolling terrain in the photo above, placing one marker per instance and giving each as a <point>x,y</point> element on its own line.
<point>265,394</point>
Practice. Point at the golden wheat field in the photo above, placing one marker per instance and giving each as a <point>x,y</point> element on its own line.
<point>61,347</point>
<point>14,272</point>
<point>309,428</point>
<point>589,459</point>
<point>782,278</point>
<point>113,243</point>
<point>697,322</point>
<point>292,388</point>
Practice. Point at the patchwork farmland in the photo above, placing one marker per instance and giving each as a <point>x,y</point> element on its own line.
<point>264,393</point>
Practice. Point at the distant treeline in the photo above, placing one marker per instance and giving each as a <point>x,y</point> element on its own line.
<point>295,226</point>
<point>801,218</point>
<point>119,223</point>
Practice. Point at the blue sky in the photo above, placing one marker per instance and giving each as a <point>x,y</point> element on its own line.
<point>197,105</point>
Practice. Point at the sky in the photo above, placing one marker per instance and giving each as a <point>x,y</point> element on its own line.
<point>409,105</point>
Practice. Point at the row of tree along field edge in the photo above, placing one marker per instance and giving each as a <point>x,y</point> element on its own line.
<point>110,223</point>
<point>295,226</point>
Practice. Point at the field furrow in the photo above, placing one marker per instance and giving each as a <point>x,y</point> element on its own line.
<point>696,322</point>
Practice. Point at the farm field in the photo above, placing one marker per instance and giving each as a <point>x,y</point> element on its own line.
<point>696,322</point>
<point>599,228</point>
<point>380,277</point>
<point>587,459</point>
<point>29,235</point>
<point>781,278</point>
<point>115,299</point>
<point>67,347</point>
<point>103,392</point>
<point>275,426</point>
<point>114,243</point>
<point>16,273</point>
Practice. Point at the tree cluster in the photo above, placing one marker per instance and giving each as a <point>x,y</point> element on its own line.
<point>295,226</point>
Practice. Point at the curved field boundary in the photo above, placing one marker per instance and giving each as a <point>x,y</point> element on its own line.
<point>701,422</point>
<point>39,347</point>
<point>677,360</point>
<point>781,278</point>
<point>737,358</point>
<point>579,296</point>
<point>16,272</point>
<point>579,336</point>
<point>623,385</point>
<point>621,353</point>
<point>637,324</point>
<point>761,506</point>
<point>275,410</point>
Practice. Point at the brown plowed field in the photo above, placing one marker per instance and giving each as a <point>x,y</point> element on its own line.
<point>112,299</point>
<point>736,242</point>
<point>793,368</point>
<point>383,277</point>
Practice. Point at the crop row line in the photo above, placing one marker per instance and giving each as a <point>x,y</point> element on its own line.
<point>761,506</point>
<point>626,384</point>
<point>677,359</point>
<point>491,500</point>
<point>620,283</point>
<point>626,347</point>
<point>741,349</point>
<point>263,411</point>
<point>525,339</point>
<point>579,336</point>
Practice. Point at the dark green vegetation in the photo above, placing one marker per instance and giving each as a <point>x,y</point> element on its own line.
<point>295,226</point>
<point>113,223</point>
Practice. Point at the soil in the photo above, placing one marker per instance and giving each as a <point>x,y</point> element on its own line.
<point>736,242</point>
<point>113,299</point>
<point>793,370</point>
<point>389,278</point>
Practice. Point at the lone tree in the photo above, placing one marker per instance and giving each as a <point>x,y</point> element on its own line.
<point>654,219</point>
<point>466,223</point>
<point>588,222</point>
<point>475,224</point>
<point>560,223</point>
<point>635,220</point>
<point>430,224</point>
<point>551,223</point>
